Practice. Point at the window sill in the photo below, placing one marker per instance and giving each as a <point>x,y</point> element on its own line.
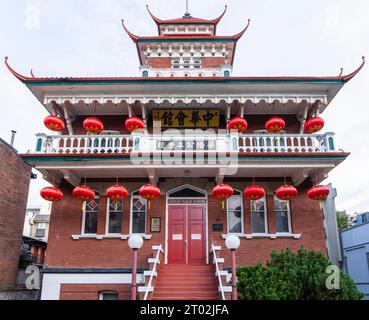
<point>107,236</point>
<point>266,235</point>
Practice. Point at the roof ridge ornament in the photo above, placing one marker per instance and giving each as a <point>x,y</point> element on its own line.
<point>239,35</point>
<point>187,15</point>
<point>131,35</point>
<point>348,77</point>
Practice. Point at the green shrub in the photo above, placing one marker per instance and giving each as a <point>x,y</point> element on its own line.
<point>293,276</point>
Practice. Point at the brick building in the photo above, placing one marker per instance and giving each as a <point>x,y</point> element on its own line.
<point>15,177</point>
<point>186,98</point>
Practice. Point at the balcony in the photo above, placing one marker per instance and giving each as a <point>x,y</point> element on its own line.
<point>196,144</point>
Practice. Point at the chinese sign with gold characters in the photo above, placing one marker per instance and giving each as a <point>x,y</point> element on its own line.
<point>190,118</point>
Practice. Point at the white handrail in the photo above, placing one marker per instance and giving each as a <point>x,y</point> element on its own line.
<point>157,260</point>
<point>217,271</point>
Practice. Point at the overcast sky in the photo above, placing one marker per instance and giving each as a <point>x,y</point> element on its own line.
<point>286,37</point>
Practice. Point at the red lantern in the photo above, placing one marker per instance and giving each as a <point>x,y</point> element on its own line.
<point>318,193</point>
<point>134,123</point>
<point>254,192</point>
<point>54,123</point>
<point>314,124</point>
<point>275,125</point>
<point>223,192</point>
<point>84,193</point>
<point>286,192</point>
<point>51,194</point>
<point>149,192</point>
<point>93,125</point>
<point>116,193</point>
<point>238,123</point>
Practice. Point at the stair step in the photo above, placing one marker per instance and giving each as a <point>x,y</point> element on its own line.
<point>186,295</point>
<point>185,298</point>
<point>211,289</point>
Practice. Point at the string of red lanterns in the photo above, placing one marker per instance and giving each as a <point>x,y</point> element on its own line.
<point>93,125</point>
<point>238,123</point>
<point>275,125</point>
<point>149,192</point>
<point>51,194</point>
<point>314,124</point>
<point>134,123</point>
<point>223,192</point>
<point>318,193</point>
<point>254,192</point>
<point>54,123</point>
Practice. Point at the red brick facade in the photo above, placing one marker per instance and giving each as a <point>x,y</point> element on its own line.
<point>66,220</point>
<point>92,291</point>
<point>15,177</point>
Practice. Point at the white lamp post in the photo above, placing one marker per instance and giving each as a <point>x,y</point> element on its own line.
<point>233,243</point>
<point>135,242</point>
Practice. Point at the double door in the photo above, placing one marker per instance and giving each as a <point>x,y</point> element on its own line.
<point>186,234</point>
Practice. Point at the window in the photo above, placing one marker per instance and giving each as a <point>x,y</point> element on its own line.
<point>138,214</point>
<point>90,215</point>
<point>259,216</point>
<point>235,213</point>
<point>108,295</point>
<point>282,215</point>
<point>40,230</point>
<point>114,217</point>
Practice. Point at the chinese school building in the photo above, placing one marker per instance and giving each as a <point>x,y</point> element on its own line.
<point>189,140</point>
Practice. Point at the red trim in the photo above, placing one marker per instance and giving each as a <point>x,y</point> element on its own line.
<point>261,154</point>
<point>131,35</point>
<point>186,21</point>
<point>239,35</point>
<point>353,74</point>
<point>344,78</point>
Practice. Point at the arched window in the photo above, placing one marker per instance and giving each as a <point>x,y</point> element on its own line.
<point>235,213</point>
<point>138,214</point>
<point>282,216</point>
<point>226,73</point>
<point>259,215</point>
<point>145,73</point>
<point>90,216</point>
<point>114,217</point>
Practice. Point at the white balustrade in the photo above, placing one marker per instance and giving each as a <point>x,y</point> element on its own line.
<point>85,144</point>
<point>201,143</point>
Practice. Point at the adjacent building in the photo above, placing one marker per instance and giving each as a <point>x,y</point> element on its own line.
<point>15,176</point>
<point>36,223</point>
<point>355,251</point>
<point>186,96</point>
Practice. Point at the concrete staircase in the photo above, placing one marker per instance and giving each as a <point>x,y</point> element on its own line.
<point>186,282</point>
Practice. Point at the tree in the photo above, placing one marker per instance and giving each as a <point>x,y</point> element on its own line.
<point>293,276</point>
<point>342,220</point>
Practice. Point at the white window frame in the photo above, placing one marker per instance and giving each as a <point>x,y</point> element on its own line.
<point>242,215</point>
<point>265,218</point>
<point>131,213</point>
<point>108,218</point>
<point>97,197</point>
<point>101,294</point>
<point>288,217</point>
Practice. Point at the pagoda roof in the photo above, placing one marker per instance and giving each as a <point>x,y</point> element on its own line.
<point>343,78</point>
<point>179,37</point>
<point>187,19</point>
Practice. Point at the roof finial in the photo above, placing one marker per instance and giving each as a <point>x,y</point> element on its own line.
<point>187,14</point>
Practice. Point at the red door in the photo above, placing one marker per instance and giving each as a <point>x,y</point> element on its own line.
<point>186,232</point>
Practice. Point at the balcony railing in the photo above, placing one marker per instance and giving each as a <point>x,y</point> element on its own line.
<point>142,143</point>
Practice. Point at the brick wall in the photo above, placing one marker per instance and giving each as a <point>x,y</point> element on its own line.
<point>66,219</point>
<point>15,177</point>
<point>160,63</point>
<point>92,291</point>
<point>212,62</point>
